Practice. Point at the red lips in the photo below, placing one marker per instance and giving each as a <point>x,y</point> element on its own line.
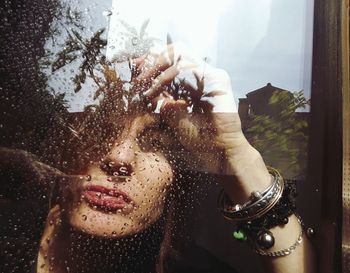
<point>105,198</point>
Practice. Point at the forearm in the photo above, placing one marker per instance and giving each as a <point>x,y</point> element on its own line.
<point>301,260</point>
<point>246,172</point>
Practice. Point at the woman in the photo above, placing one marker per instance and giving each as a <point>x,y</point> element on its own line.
<point>118,214</point>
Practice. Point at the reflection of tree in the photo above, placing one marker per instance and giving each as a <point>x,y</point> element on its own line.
<point>195,96</point>
<point>283,136</point>
<point>116,94</point>
<point>89,49</point>
<point>30,114</point>
<point>88,55</point>
<point>88,52</point>
<point>29,110</point>
<point>136,44</point>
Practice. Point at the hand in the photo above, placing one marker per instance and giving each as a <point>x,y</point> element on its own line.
<point>212,132</point>
<point>196,100</point>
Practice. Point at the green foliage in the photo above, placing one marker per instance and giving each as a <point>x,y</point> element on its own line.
<point>282,139</point>
<point>89,49</point>
<point>88,54</point>
<point>92,132</point>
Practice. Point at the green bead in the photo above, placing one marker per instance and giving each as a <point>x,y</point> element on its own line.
<point>240,235</point>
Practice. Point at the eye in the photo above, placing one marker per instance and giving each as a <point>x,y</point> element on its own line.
<point>157,143</point>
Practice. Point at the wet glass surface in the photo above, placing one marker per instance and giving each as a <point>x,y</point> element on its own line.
<point>119,117</point>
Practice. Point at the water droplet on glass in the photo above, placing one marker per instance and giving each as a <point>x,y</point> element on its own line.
<point>123,170</point>
<point>111,164</point>
<point>107,13</point>
<point>128,208</point>
<point>135,41</point>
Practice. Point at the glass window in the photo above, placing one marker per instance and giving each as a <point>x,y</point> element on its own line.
<point>122,121</point>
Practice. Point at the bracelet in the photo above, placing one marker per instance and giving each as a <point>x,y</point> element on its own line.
<point>257,230</point>
<point>262,212</point>
<point>257,205</point>
<point>286,251</point>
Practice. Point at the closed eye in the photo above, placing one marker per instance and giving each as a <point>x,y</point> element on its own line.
<point>153,140</point>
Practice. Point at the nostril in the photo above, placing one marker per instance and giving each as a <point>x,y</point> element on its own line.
<point>104,166</point>
<point>116,169</point>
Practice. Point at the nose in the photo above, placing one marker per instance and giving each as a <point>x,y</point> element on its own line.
<point>120,160</point>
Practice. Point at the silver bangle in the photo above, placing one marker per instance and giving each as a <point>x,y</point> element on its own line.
<point>286,251</point>
<point>257,205</point>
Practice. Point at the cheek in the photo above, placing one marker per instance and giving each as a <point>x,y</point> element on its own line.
<point>156,177</point>
<point>158,173</point>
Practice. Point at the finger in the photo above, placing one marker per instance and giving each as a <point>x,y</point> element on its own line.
<point>139,61</point>
<point>170,48</point>
<point>161,82</point>
<point>173,108</point>
<point>157,64</point>
<point>150,73</point>
<point>141,64</point>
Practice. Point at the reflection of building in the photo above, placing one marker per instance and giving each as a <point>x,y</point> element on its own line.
<point>258,100</point>
<point>257,103</point>
<point>281,130</point>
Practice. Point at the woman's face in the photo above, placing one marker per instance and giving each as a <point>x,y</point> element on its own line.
<point>125,191</point>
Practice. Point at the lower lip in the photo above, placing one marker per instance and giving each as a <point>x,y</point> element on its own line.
<point>104,201</point>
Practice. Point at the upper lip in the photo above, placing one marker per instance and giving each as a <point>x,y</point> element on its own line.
<point>108,191</point>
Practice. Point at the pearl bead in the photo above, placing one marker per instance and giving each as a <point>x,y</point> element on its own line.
<point>265,240</point>
<point>310,232</point>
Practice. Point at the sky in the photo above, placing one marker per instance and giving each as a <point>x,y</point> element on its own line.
<point>271,41</point>
<point>255,41</point>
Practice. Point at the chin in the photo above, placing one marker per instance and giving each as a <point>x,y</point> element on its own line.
<point>109,225</point>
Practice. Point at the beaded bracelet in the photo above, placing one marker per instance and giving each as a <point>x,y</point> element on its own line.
<point>286,251</point>
<point>262,212</point>
<point>257,230</point>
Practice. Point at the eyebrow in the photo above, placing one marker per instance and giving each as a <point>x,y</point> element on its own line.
<point>152,126</point>
<point>156,126</point>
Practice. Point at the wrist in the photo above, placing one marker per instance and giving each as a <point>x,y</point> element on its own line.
<point>244,172</point>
